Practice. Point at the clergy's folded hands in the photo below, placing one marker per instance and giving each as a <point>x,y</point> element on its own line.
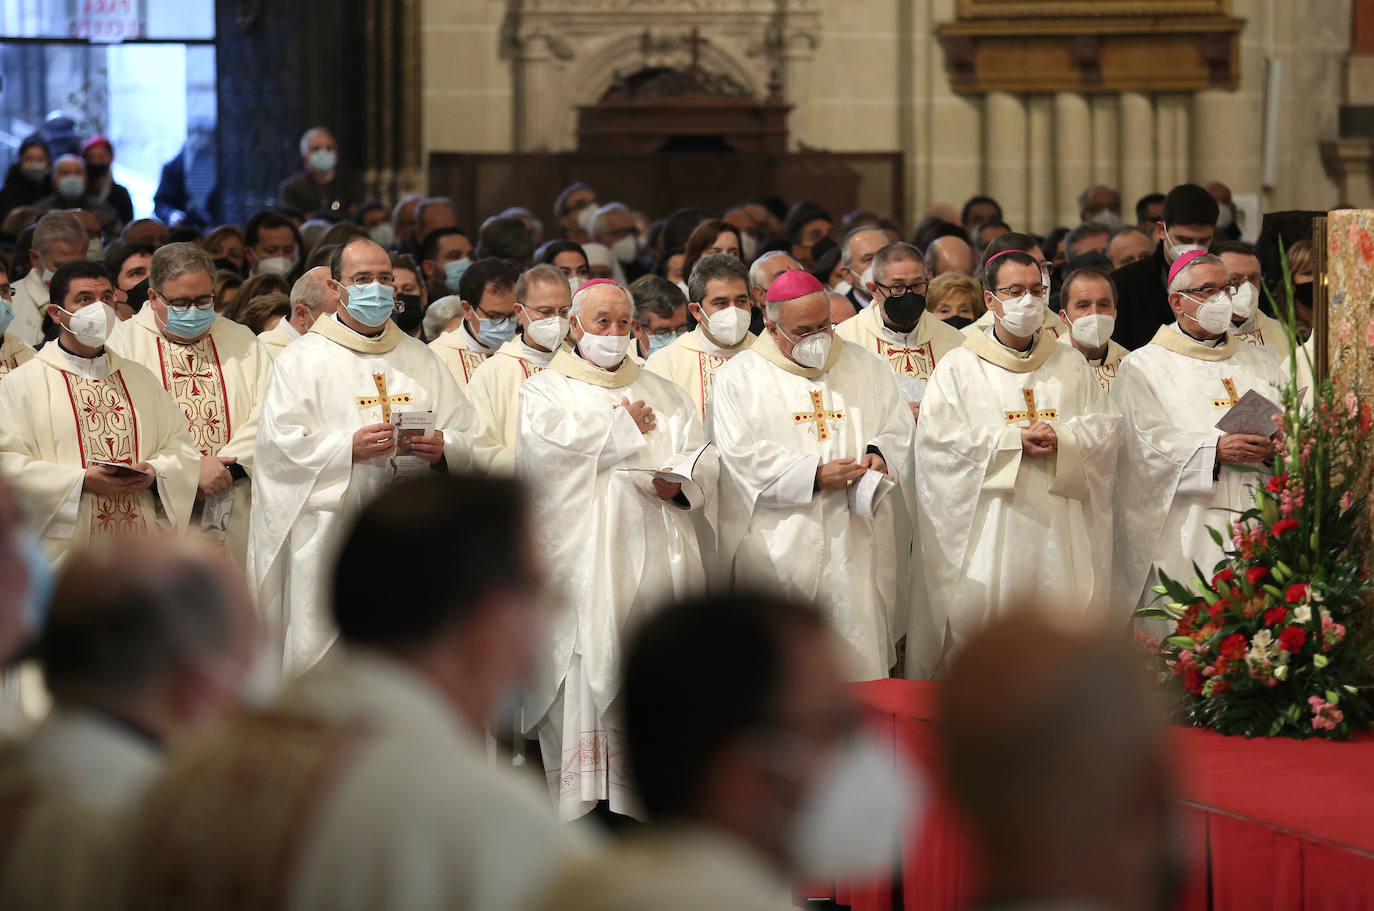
<point>1039,440</point>
<point>111,482</point>
<point>1244,449</point>
<point>373,441</point>
<point>839,474</point>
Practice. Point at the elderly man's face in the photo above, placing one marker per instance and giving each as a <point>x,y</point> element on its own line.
<point>772,268</point>
<point>1129,247</point>
<point>577,201</point>
<point>69,166</point>
<point>1202,282</point>
<point>799,318</point>
<point>862,248</point>
<point>321,140</point>
<point>55,255</point>
<point>1091,243</point>
<point>605,311</point>
<point>185,289</point>
<point>614,225</point>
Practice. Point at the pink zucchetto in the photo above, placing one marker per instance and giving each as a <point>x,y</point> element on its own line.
<point>794,284</point>
<point>1182,262</point>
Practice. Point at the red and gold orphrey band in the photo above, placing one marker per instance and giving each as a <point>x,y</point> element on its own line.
<point>193,376</point>
<point>107,429</point>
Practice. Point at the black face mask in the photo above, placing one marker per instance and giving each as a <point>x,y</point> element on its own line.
<point>97,171</point>
<point>756,320</point>
<point>1302,294</point>
<point>138,295</point>
<point>904,311</point>
<point>958,322</point>
<point>408,312</point>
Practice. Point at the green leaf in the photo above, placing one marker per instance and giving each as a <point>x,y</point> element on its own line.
<point>1181,641</point>
<point>1216,536</point>
<point>1333,697</point>
<point>1320,660</point>
<point>1159,590</point>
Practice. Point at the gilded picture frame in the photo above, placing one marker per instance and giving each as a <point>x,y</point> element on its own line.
<point>1087,9</point>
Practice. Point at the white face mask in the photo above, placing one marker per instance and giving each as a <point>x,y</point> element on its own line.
<point>842,287</point>
<point>862,286</point>
<point>625,249</point>
<point>574,283</point>
<point>95,250</point>
<point>584,217</point>
<point>383,235</point>
<point>547,333</point>
<point>1245,302</point>
<point>1176,250</point>
<point>1214,314</point>
<point>92,323</point>
<point>1093,330</point>
<point>852,818</point>
<point>812,351</point>
<point>1225,218</point>
<point>277,265</point>
<point>682,286</point>
<point>728,326</point>
<point>605,351</point>
<point>1105,217</point>
<point>748,246</point>
<point>1021,316</point>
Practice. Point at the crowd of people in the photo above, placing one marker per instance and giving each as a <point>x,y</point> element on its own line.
<point>634,495</point>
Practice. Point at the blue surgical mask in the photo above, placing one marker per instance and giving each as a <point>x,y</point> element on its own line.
<point>73,186</point>
<point>6,315</point>
<point>371,304</point>
<point>495,332</point>
<point>322,161</point>
<point>662,340</point>
<point>453,273</point>
<point>191,323</point>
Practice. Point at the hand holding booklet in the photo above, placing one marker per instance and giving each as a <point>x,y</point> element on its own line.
<point>409,425</point>
<point>121,469</point>
<point>678,469</point>
<point>1253,414</point>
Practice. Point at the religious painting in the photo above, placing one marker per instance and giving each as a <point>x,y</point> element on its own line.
<point>1061,9</point>
<point>1348,283</point>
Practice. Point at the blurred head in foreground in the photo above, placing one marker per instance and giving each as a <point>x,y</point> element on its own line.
<point>1056,754</point>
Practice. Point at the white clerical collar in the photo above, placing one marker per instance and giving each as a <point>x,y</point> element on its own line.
<point>1209,342</point>
<point>290,331</point>
<point>530,353</point>
<point>992,334</point>
<point>470,342</point>
<point>381,330</point>
<point>90,368</point>
<point>711,347</point>
<point>905,339</point>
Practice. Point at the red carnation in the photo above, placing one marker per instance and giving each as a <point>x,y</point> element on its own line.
<point>1192,680</point>
<point>1296,594</point>
<point>1275,615</point>
<point>1275,484</point>
<point>1257,574</point>
<point>1224,576</point>
<point>1291,639</point>
<point>1233,647</point>
<point>1283,525</point>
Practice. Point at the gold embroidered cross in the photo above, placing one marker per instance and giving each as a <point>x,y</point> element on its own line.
<point>1031,413</point>
<point>820,417</point>
<point>1231,398</point>
<point>381,398</point>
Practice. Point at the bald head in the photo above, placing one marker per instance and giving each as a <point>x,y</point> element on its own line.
<point>314,294</point>
<point>1087,792</point>
<point>949,254</point>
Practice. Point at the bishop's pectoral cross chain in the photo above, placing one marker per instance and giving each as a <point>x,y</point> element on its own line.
<point>381,398</point>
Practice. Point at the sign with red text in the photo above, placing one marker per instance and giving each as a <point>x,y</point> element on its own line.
<point>106,21</point>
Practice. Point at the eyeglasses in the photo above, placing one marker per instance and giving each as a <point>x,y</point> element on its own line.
<point>897,290</point>
<point>1209,290</point>
<point>367,278</point>
<point>187,304</point>
<point>1018,290</point>
<point>494,317</point>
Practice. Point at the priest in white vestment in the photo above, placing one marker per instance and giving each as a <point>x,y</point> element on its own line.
<point>1018,445</point>
<point>1052,322</point>
<point>1249,324</point>
<point>366,785</point>
<point>13,349</point>
<point>487,295</point>
<point>719,300</point>
<point>216,371</point>
<point>543,304</point>
<point>77,405</point>
<point>1186,474</point>
<point>315,294</point>
<point>618,542</point>
<point>899,329</point>
<point>58,238</point>
<point>1087,301</point>
<point>813,432</point>
<point>326,441</point>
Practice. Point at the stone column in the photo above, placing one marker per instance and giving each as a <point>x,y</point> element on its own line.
<point>1040,182</point>
<point>1137,150</point>
<point>1173,140</point>
<point>1005,124</point>
<point>1108,149</point>
<point>1075,148</point>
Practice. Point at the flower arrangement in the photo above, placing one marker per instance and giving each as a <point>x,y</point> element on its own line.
<point>1274,643</point>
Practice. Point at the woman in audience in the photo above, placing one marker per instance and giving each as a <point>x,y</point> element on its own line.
<point>264,312</point>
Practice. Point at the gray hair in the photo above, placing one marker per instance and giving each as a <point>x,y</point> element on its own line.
<point>312,289</point>
<point>430,203</point>
<point>1083,197</point>
<point>311,134</point>
<point>846,253</point>
<point>440,313</point>
<point>174,260</point>
<point>773,309</point>
<point>59,228</point>
<point>892,254</point>
<point>582,293</point>
<point>606,210</point>
<point>756,270</point>
<point>1127,229</point>
<point>401,203</point>
<point>1181,279</point>
<point>543,274</point>
<point>711,268</point>
<point>1082,230</point>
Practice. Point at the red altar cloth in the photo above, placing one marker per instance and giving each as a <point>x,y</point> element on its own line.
<point>1272,823</point>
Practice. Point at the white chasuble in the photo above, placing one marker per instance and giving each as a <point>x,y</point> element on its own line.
<point>999,529</point>
<point>461,353</point>
<point>58,412</point>
<point>219,382</point>
<point>1105,368</point>
<point>493,391</point>
<point>613,548</point>
<point>1171,394</point>
<point>914,354</point>
<point>691,362</point>
<point>13,352</point>
<point>1266,333</point>
<point>775,423</point>
<point>324,387</point>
